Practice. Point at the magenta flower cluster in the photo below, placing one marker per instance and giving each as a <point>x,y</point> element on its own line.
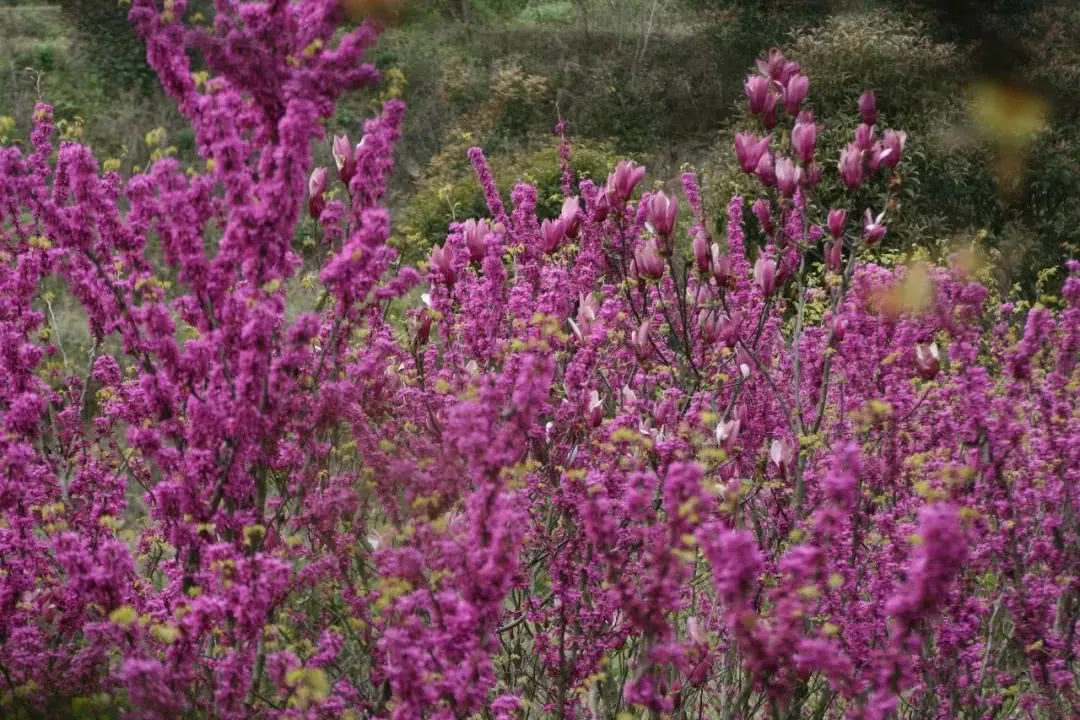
<point>600,468</point>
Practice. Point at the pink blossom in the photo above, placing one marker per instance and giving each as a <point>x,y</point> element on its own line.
<point>749,150</point>
<point>765,275</point>
<point>868,107</point>
<point>795,91</point>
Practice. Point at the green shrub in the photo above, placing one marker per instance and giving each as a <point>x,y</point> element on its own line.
<point>113,48</point>
<point>558,11</point>
<point>449,191</point>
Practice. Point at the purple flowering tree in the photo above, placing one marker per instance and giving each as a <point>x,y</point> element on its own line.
<point>602,468</point>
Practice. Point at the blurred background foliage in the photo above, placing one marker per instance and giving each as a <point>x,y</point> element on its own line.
<point>656,80</point>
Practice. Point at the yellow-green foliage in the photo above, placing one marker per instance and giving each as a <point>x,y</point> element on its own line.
<point>450,192</point>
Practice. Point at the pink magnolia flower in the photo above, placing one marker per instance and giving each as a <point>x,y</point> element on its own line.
<point>834,255</point>
<point>868,107</point>
<point>343,158</point>
<point>791,69</point>
<point>551,234</point>
<point>787,176</point>
<point>768,117</point>
<point>570,216</point>
<point>720,265</point>
<point>927,361</point>
<point>601,206</point>
<point>837,221</point>
<point>727,434</point>
<point>476,234</point>
<point>893,143</point>
<point>442,261</point>
<point>639,340</point>
<point>765,275</point>
<point>695,629</point>
<point>700,248</point>
<point>795,92</point>
<point>588,311</point>
<point>594,409</point>
<point>749,150</point>
<point>648,261</point>
<point>851,166</point>
<point>804,137</point>
<point>621,182</point>
<point>782,455</point>
<point>765,170</point>
<point>699,296</point>
<point>316,187</point>
<point>709,322</point>
<point>864,137</point>
<point>762,210</point>
<point>662,214</point>
<point>772,66</point>
<point>873,229</point>
<point>757,93</point>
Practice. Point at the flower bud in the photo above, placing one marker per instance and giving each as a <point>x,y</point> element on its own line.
<point>744,362</point>
<point>795,92</point>
<point>343,158</point>
<point>639,340</point>
<point>662,214</point>
<point>720,265</point>
<point>868,107</point>
<point>757,93</point>
<point>837,220</point>
<point>594,409</point>
<point>422,326</point>
<point>316,187</point>
<point>762,210</point>
<point>838,326</point>
<point>851,166</point>
<point>834,255</point>
<point>804,139</point>
<point>787,176</point>
<point>765,170</point>
<point>765,275</point>
<point>782,455</point>
<point>700,248</point>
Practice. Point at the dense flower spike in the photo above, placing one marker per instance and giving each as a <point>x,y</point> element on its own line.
<point>575,478</point>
